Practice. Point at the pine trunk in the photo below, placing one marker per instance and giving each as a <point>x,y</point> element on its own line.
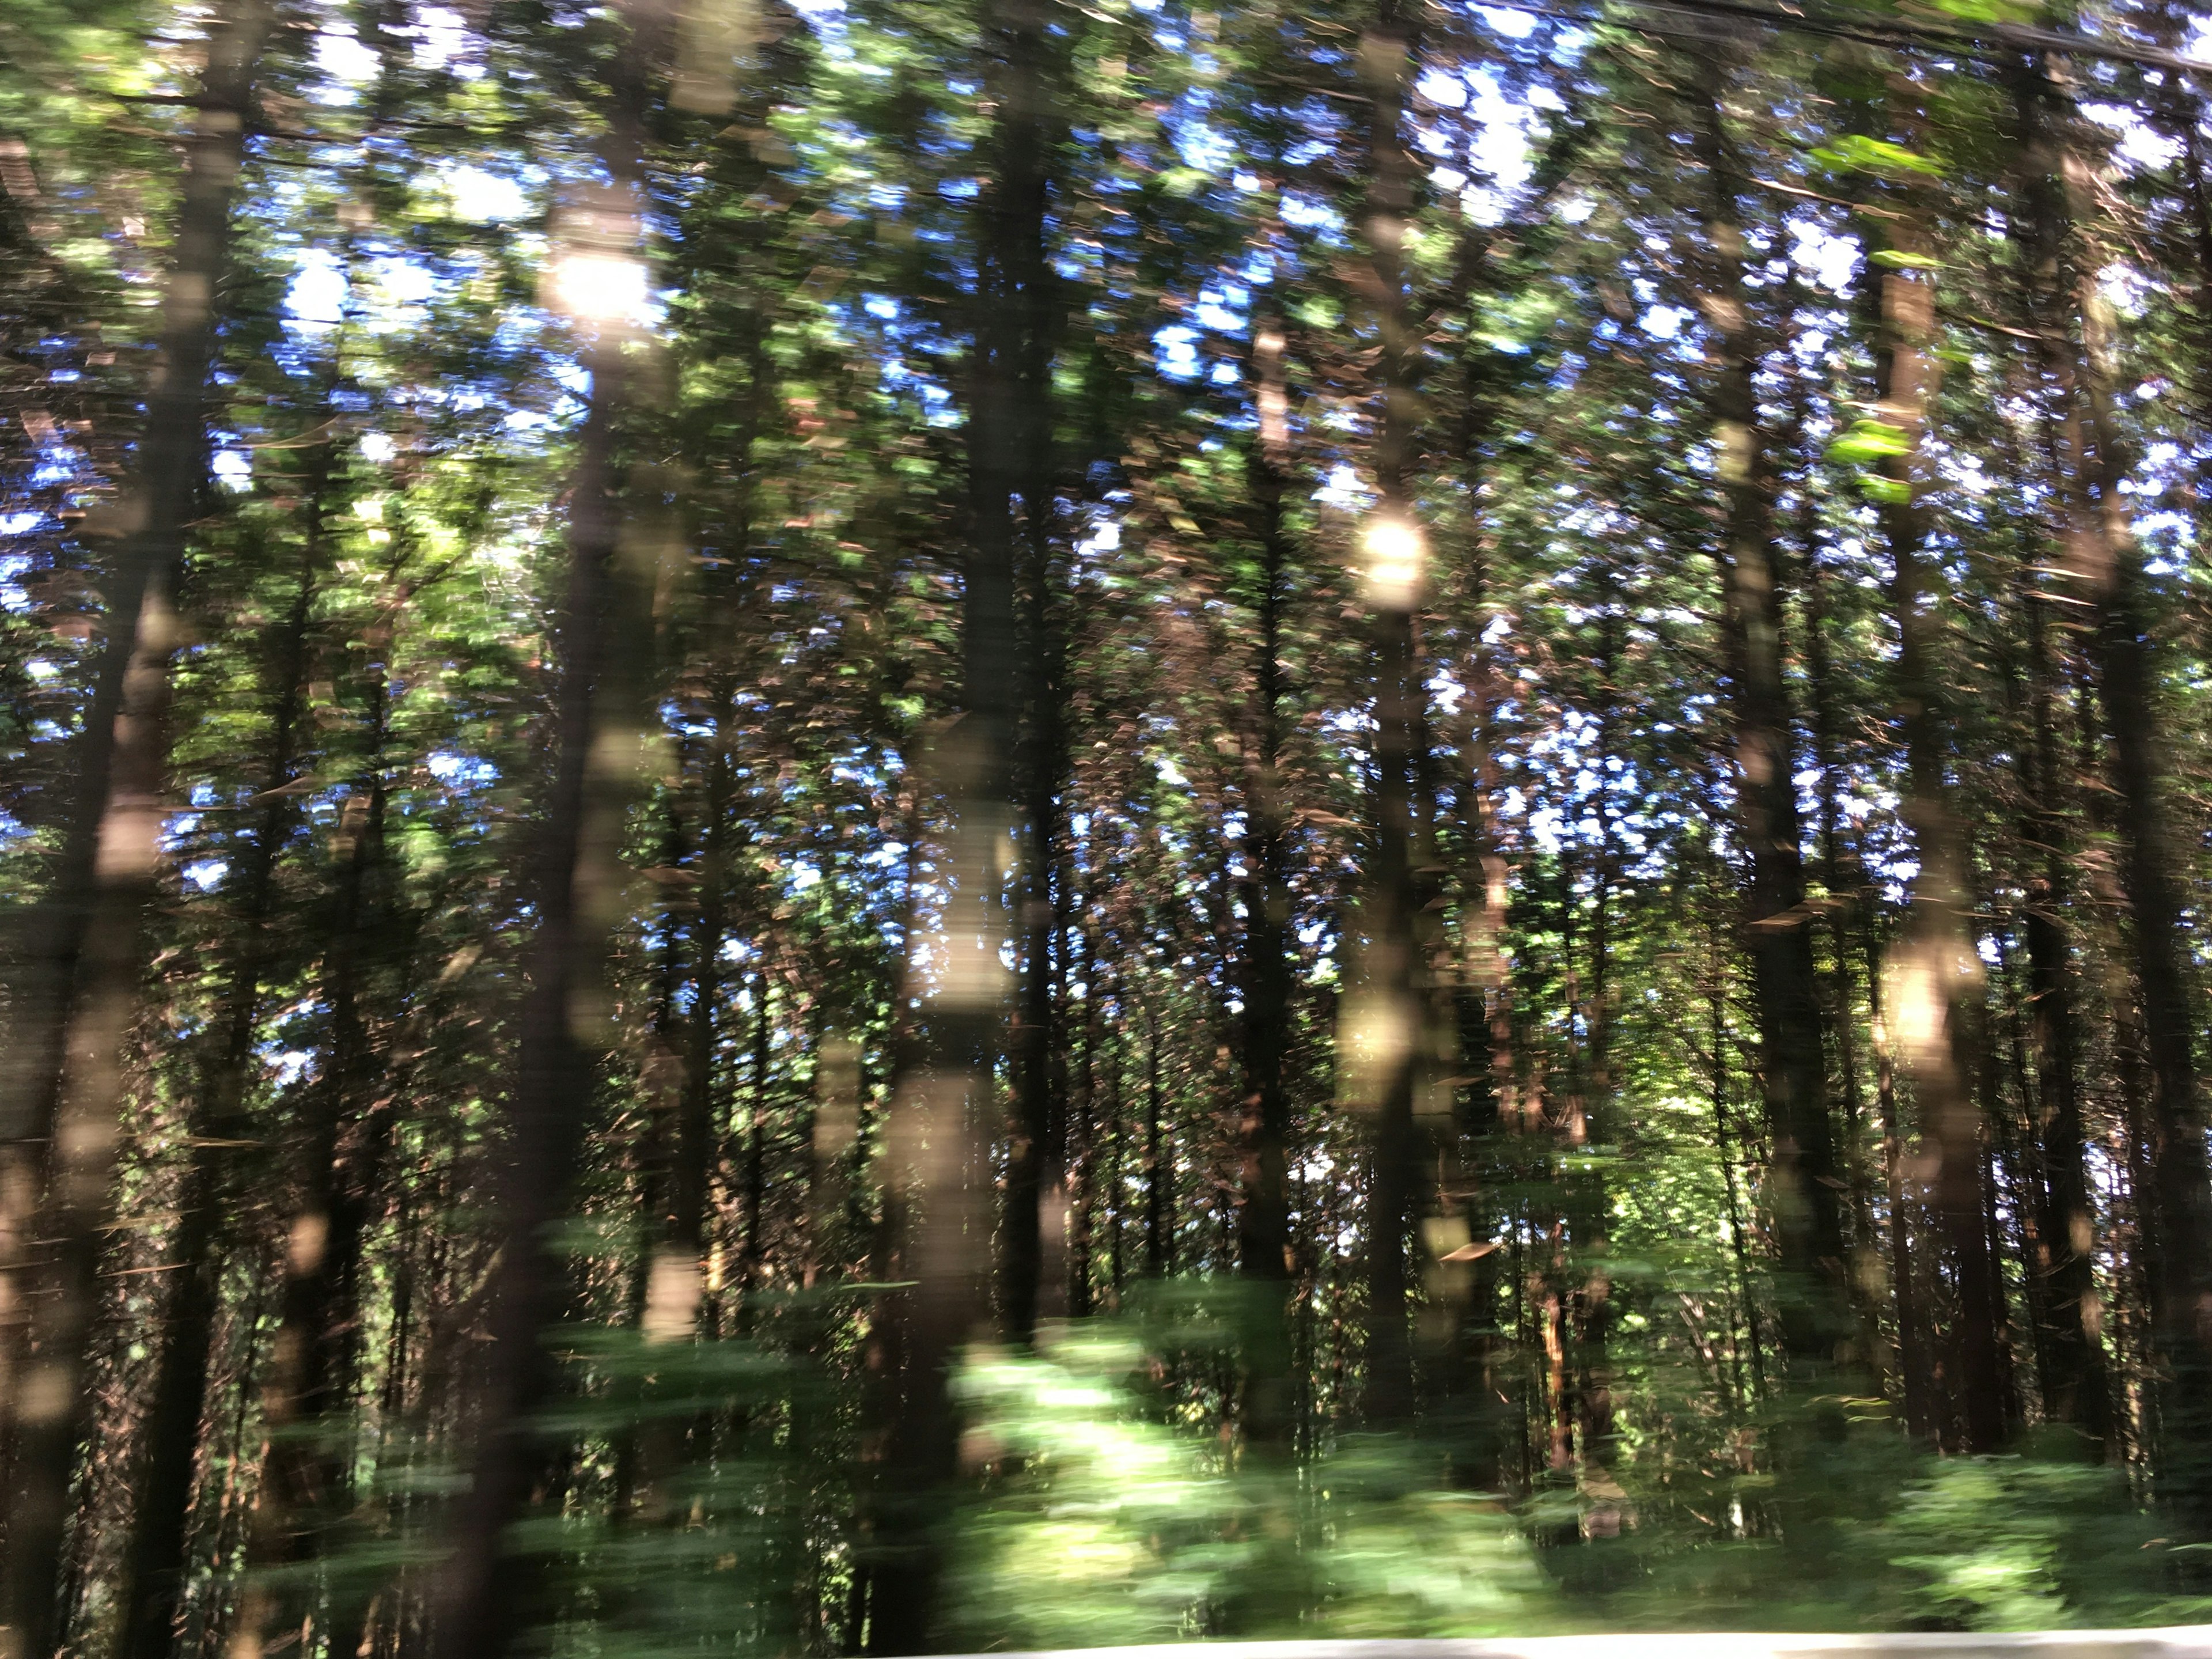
<point>942,1126</point>
<point>155,1567</point>
<point>1387,1021</point>
<point>564,1024</point>
<point>76,994</point>
<point>1026,137</point>
<point>2104,567</point>
<point>1802,1171</point>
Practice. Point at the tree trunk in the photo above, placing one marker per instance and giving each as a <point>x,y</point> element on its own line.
<point>2075,1389</point>
<point>940,1127</point>
<point>305,1394</point>
<point>1802,1171</point>
<point>1385,1019</point>
<point>77,991</point>
<point>1159,1162</point>
<point>1083,1127</point>
<point>563,1022</point>
<point>1027,135</point>
<point>155,1567</point>
<point>1263,1218</point>
<point>1845,877</point>
<point>2105,567</point>
<point>1916,1380</point>
<point>1934,971</point>
<point>752,1257</point>
<point>1263,1213</point>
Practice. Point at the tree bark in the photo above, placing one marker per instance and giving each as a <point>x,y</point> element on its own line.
<point>2104,566</point>
<point>77,990</point>
<point>564,1024</point>
<point>1935,973</point>
<point>155,1566</point>
<point>1263,1218</point>
<point>1027,135</point>
<point>2076,1387</point>
<point>1801,1177</point>
<point>939,1126</point>
<point>1380,1050</point>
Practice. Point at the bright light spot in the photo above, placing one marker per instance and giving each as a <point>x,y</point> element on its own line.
<point>375,447</point>
<point>342,57</point>
<point>206,872</point>
<point>1832,260</point>
<point>1308,213</point>
<point>1202,147</point>
<point>1396,552</point>
<point>318,290</point>
<point>405,282</point>
<point>2149,151</point>
<point>1499,149</point>
<point>1445,91</point>
<point>233,468</point>
<point>483,198</point>
<point>1178,351</point>
<point>600,288</point>
<point>459,771</point>
<point>1217,316</point>
<point>1513,24</point>
<point>2124,287</point>
<point>443,33</point>
<point>1664,322</point>
<point>1374,1034</point>
<point>1343,490</point>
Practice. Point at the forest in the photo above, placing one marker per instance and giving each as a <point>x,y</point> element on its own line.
<point>870,827</point>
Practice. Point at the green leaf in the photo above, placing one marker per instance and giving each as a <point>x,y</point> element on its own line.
<point>1988,11</point>
<point>1870,440</point>
<point>1857,152</point>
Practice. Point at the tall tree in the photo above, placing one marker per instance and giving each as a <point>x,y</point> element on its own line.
<point>1933,970</point>
<point>1385,1025</point>
<point>1802,1173</point>
<point>601,751</point>
<point>2103,566</point>
<point>78,982</point>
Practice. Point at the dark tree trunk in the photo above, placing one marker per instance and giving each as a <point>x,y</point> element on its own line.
<point>1387,1019</point>
<point>1934,969</point>
<point>481,1597</point>
<point>155,1567</point>
<point>1028,135</point>
<point>1263,1213</point>
<point>309,1383</point>
<point>76,992</point>
<point>1263,1218</point>
<point>1802,1173</point>
<point>1159,1162</point>
<point>1846,880</point>
<point>2104,567</point>
<point>753,1272</point>
<point>941,1125</point>
<point>2075,1388</point>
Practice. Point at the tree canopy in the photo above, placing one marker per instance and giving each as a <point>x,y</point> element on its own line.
<point>875,826</point>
